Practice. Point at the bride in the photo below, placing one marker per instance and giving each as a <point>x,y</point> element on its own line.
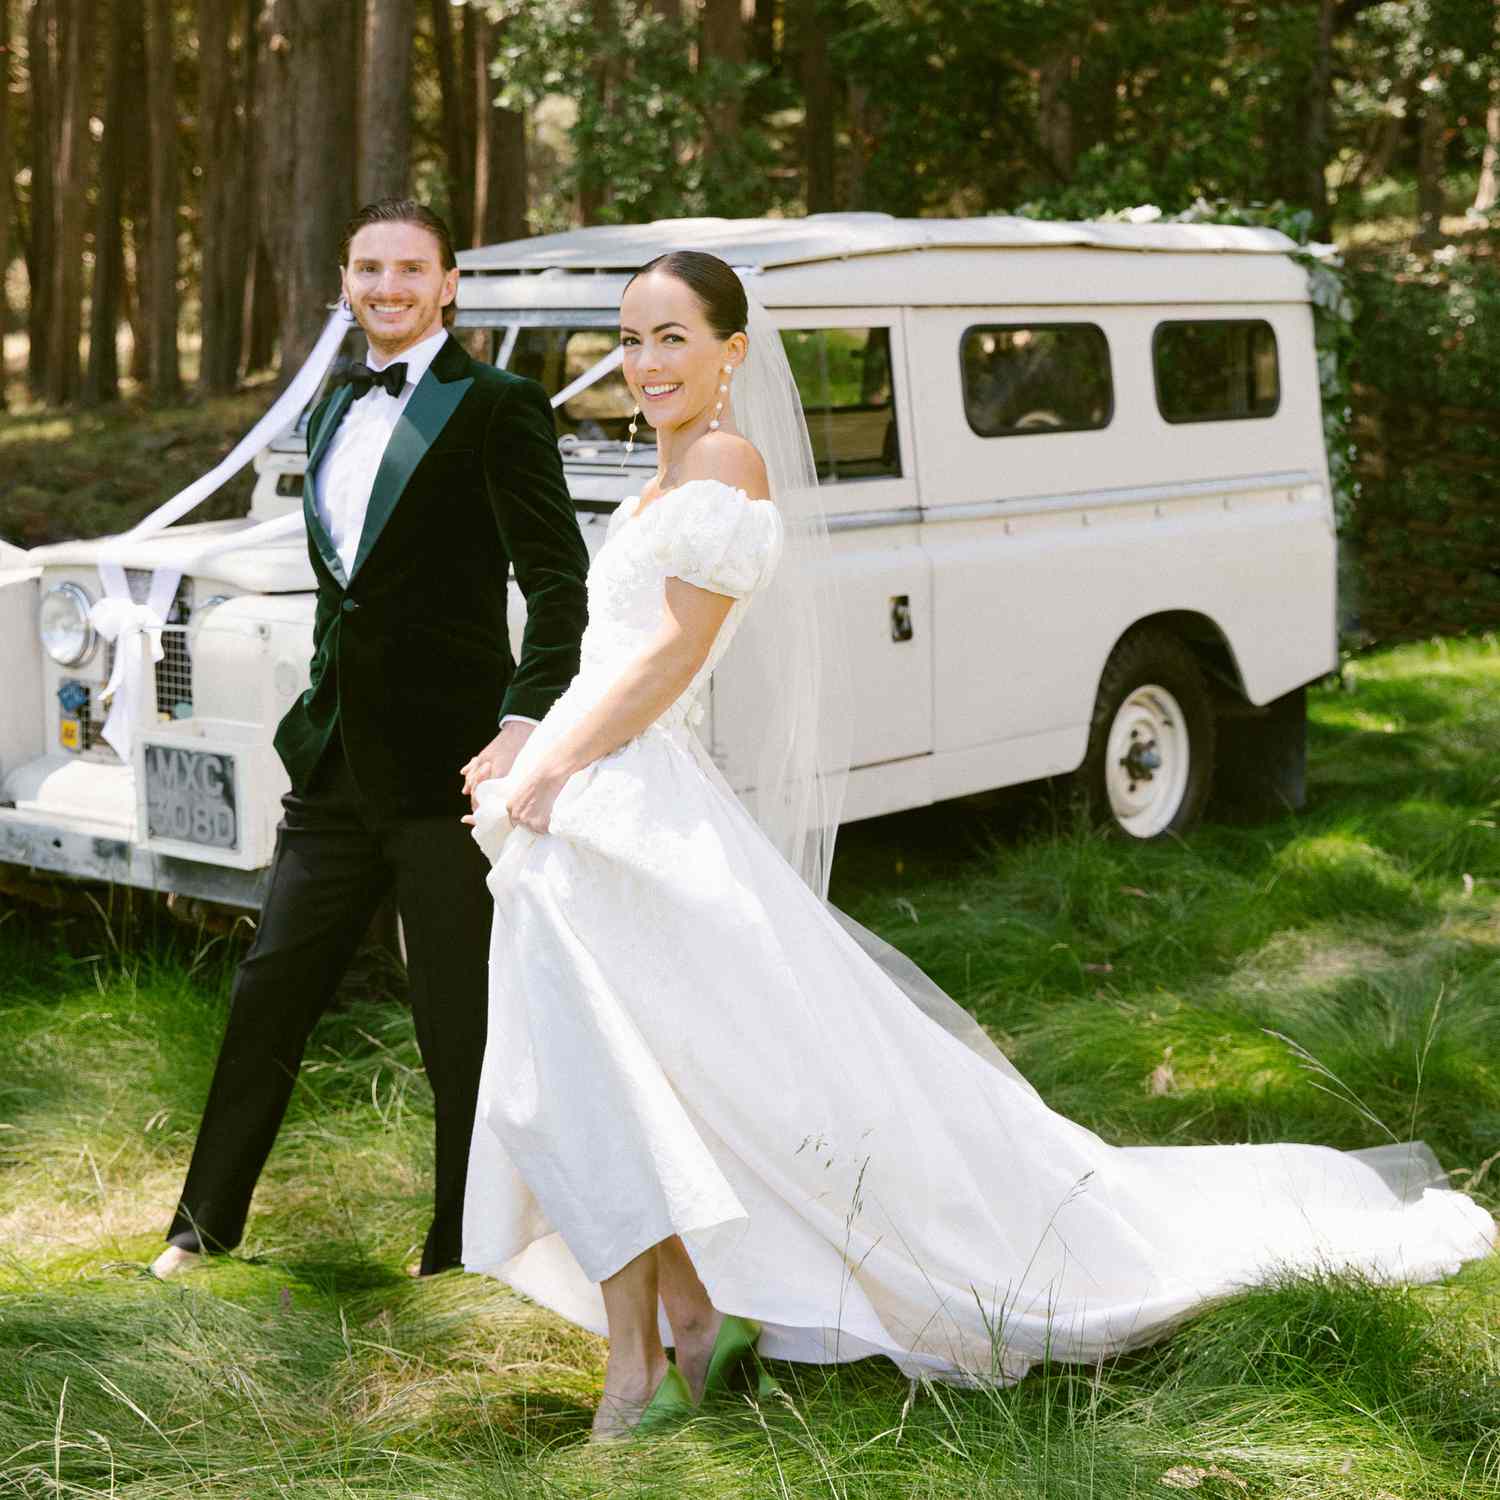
<point>715,1113</point>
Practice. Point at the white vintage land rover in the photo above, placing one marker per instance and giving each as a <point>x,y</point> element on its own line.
<point>1081,514</point>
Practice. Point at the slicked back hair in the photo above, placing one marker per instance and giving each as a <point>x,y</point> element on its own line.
<point>720,293</point>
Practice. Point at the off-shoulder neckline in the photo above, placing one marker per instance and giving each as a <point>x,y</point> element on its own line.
<point>634,501</point>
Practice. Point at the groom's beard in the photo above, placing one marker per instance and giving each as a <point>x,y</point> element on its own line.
<point>388,336</point>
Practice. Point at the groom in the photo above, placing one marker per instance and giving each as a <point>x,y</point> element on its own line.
<point>429,475</point>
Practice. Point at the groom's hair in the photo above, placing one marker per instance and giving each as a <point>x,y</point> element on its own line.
<point>404,211</point>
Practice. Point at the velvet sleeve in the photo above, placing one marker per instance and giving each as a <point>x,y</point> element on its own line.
<point>528,493</point>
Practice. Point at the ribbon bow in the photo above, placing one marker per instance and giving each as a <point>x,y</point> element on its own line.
<point>392,379</point>
<point>118,618</point>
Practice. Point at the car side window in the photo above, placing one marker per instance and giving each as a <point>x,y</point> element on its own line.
<point>844,378</point>
<point>1216,370</point>
<point>1020,380</point>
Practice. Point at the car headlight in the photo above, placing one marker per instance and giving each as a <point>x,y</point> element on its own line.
<point>67,636</point>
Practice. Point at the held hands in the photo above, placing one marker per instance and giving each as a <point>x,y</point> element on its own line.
<point>496,758</point>
<point>531,799</point>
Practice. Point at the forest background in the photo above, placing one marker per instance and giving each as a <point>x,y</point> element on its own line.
<point>177,173</point>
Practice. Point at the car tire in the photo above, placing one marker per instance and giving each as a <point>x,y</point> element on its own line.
<point>1150,761</point>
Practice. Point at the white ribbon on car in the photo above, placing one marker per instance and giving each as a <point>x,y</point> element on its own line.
<point>120,618</point>
<point>117,617</point>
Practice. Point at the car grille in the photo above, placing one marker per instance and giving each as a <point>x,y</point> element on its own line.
<point>174,672</point>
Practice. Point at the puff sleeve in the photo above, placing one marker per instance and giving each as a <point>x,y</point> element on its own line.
<point>718,539</point>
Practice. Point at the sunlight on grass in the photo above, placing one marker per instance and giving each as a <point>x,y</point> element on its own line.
<point>1329,977</point>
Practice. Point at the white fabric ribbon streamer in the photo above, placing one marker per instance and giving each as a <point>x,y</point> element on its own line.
<point>283,413</point>
<point>118,618</point>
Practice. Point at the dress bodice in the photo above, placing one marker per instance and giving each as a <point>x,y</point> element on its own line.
<point>704,532</point>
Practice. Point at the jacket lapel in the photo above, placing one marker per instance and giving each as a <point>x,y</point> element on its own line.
<point>432,403</point>
<point>337,406</point>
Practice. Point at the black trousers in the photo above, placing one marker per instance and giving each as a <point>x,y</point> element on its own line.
<point>334,864</point>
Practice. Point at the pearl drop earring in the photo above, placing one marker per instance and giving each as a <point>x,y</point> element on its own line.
<point>719,407</point>
<point>635,417</point>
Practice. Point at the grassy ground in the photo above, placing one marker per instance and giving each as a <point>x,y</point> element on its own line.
<point>1143,989</point>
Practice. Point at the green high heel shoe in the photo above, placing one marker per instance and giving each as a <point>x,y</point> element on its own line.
<point>670,1403</point>
<point>734,1344</point>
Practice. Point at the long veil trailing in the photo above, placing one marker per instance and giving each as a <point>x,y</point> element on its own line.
<point>792,655</point>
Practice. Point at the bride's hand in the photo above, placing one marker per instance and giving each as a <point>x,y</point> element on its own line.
<point>531,799</point>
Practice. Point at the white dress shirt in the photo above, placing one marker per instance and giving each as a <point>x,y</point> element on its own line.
<point>346,474</point>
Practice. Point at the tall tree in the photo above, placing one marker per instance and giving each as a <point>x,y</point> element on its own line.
<point>222,45</point>
<point>161,253</point>
<point>385,105</point>
<point>1432,147</point>
<point>321,95</point>
<point>41,77</point>
<point>101,381</point>
<point>500,166</point>
<point>460,165</point>
<point>1487,194</point>
<point>819,104</point>
<point>264,147</point>
<point>722,52</point>
<point>593,182</point>
<point>7,175</point>
<point>71,177</point>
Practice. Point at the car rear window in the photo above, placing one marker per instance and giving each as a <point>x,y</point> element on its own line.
<point>1024,379</point>
<point>1219,370</point>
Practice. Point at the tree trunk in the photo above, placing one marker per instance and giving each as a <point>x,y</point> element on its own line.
<point>385,129</point>
<point>1316,142</point>
<point>763,34</point>
<point>221,56</point>
<point>1054,124</point>
<point>863,121</point>
<point>39,256</point>
<point>101,381</point>
<point>455,143</point>
<point>261,308</point>
<point>500,198</point>
<point>7,177</point>
<point>71,175</point>
<point>1431,150</point>
<point>1488,193</point>
<point>722,46</point>
<point>818,94</point>
<point>161,254</point>
<point>321,117</point>
<point>593,185</point>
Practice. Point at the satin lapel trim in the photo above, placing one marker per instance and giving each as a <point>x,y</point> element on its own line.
<point>315,528</point>
<point>416,430</point>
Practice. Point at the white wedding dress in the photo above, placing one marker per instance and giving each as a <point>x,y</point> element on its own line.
<point>683,1039</point>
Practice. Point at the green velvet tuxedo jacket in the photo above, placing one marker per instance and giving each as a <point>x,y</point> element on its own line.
<point>411,667</point>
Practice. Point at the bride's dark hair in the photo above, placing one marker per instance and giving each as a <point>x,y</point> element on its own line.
<point>719,291</point>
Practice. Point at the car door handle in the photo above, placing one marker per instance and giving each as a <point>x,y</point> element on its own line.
<point>901,629</point>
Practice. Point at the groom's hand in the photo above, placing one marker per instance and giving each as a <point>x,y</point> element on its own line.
<point>497,757</point>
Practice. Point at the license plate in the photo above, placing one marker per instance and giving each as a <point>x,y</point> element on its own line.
<point>190,796</point>
<point>70,733</point>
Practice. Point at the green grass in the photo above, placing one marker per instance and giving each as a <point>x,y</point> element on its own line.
<point>1171,994</point>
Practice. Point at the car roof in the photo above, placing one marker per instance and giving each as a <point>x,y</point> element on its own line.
<point>769,243</point>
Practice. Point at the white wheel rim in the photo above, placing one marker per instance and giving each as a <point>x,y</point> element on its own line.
<point>1147,761</point>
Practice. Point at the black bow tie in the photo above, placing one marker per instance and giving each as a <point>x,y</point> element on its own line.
<point>364,380</point>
